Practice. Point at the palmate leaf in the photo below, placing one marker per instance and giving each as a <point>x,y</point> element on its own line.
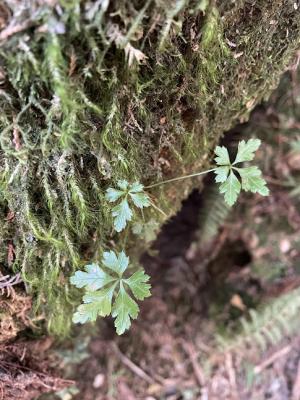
<point>100,302</point>
<point>122,212</point>
<point>234,179</point>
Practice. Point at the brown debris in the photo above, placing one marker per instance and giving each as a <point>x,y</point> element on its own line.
<point>11,30</point>
<point>296,386</point>
<point>16,138</point>
<point>72,63</point>
<point>10,216</point>
<point>192,354</point>
<point>10,254</point>
<point>23,375</point>
<point>15,308</point>
<point>4,15</point>
<point>131,365</point>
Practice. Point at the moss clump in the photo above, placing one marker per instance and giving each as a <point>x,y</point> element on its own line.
<point>98,91</point>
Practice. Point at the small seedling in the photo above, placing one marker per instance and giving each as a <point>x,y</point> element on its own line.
<point>106,288</point>
<point>122,211</point>
<point>226,172</point>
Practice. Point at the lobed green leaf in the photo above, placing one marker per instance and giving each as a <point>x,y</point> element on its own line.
<point>246,150</point>
<point>231,189</point>
<point>221,173</point>
<point>94,278</point>
<point>123,184</point>
<point>100,302</point>
<point>124,309</point>
<point>253,181</point>
<point>251,177</point>
<point>136,187</point>
<point>113,195</point>
<point>121,213</point>
<point>222,156</point>
<point>138,285</point>
<point>117,263</point>
<point>140,200</point>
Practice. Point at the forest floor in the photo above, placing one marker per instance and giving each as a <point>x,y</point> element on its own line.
<point>200,290</point>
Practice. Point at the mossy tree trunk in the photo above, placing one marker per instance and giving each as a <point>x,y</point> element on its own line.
<point>94,92</point>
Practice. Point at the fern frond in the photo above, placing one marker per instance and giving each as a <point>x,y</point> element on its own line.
<point>266,326</point>
<point>213,214</point>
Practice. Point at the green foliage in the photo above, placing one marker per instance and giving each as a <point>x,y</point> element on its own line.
<point>295,146</point>
<point>101,285</point>
<point>246,150</point>
<point>147,231</point>
<point>94,278</point>
<point>77,115</point>
<point>267,325</point>
<point>231,188</point>
<point>213,214</point>
<point>251,179</point>
<point>107,291</point>
<point>105,283</point>
<point>122,212</point>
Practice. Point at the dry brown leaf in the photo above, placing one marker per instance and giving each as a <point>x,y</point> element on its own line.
<point>133,55</point>
<point>237,302</point>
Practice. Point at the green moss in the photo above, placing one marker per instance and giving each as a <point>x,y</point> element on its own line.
<point>76,118</point>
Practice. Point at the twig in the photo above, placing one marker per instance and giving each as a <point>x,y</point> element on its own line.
<point>192,354</point>
<point>21,368</point>
<point>133,367</point>
<point>7,281</point>
<point>158,209</point>
<point>231,375</point>
<point>13,29</point>
<point>265,364</point>
<point>10,254</point>
<point>278,182</point>
<point>16,137</point>
<point>296,386</point>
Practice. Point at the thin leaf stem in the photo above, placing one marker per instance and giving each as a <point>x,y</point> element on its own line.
<point>158,209</point>
<point>180,178</point>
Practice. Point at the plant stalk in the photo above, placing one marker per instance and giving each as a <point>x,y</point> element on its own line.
<point>180,178</point>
